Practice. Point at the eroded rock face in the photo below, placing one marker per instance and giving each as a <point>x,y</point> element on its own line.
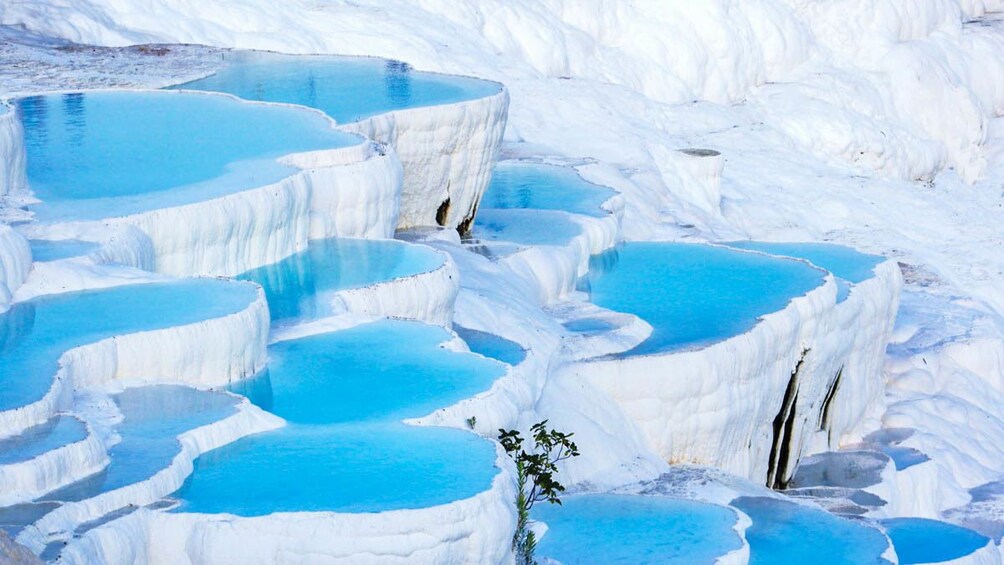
<point>12,553</point>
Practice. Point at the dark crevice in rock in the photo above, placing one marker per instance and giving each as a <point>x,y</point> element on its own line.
<point>465,225</point>
<point>443,213</point>
<point>826,414</point>
<point>783,429</point>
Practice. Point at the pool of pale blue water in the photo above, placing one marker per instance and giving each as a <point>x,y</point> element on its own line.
<point>294,286</point>
<point>36,440</point>
<point>849,266</point>
<point>629,530</point>
<point>491,345</point>
<point>34,334</point>
<point>153,418</point>
<point>918,540</point>
<point>104,154</point>
<point>525,227</point>
<point>588,325</point>
<point>785,532</point>
<point>344,449</point>
<point>694,294</point>
<point>46,250</point>
<point>544,187</point>
<point>346,88</point>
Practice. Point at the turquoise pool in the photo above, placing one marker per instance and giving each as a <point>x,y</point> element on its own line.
<point>635,530</point>
<point>295,286</point>
<point>785,532</point>
<point>346,88</point>
<point>849,266</point>
<point>525,227</point>
<point>694,294</point>
<point>491,345</point>
<point>345,449</point>
<point>34,334</point>
<point>918,540</point>
<point>105,154</point>
<point>36,440</point>
<point>46,250</point>
<point>544,187</point>
<point>153,418</point>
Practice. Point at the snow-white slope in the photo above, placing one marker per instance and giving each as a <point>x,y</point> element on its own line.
<point>873,123</point>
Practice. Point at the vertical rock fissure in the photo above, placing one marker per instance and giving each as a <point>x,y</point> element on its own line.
<point>783,429</point>
<point>826,414</point>
<point>443,212</point>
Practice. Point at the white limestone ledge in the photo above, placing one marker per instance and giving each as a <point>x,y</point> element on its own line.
<point>211,352</point>
<point>719,405</point>
<point>448,153</point>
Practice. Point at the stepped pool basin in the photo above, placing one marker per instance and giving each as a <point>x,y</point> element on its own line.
<point>344,448</point>
<point>53,250</point>
<point>849,266</point>
<point>785,532</point>
<point>525,227</point>
<point>544,187</point>
<point>296,286</point>
<point>152,419</point>
<point>34,334</point>
<point>918,540</point>
<point>346,88</point>
<point>629,530</point>
<point>492,346</point>
<point>694,294</point>
<point>36,440</point>
<point>107,154</point>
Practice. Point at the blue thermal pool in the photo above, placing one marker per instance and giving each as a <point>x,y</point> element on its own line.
<point>694,294</point>
<point>153,418</point>
<point>491,345</point>
<point>544,187</point>
<point>344,448</point>
<point>785,532</point>
<point>918,540</point>
<point>849,266</point>
<point>587,529</point>
<point>106,154</point>
<point>34,334</point>
<point>46,250</point>
<point>295,286</point>
<point>36,440</point>
<point>525,227</point>
<point>346,88</point>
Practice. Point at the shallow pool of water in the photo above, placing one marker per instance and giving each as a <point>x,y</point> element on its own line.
<point>46,250</point>
<point>104,154</point>
<point>918,540</point>
<point>491,345</point>
<point>849,266</point>
<point>36,440</point>
<point>694,294</point>
<point>525,227</point>
<point>346,88</point>
<point>344,449</point>
<point>34,334</point>
<point>544,187</point>
<point>295,287</point>
<point>785,532</point>
<point>629,530</point>
<point>153,418</point>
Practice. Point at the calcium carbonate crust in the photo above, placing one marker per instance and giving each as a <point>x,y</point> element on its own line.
<point>212,352</point>
<point>698,406</point>
<point>448,153</point>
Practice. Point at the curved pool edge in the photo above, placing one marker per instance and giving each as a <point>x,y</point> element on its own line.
<point>813,337</point>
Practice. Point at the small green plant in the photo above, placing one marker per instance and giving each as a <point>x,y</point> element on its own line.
<point>471,422</point>
<point>535,482</point>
